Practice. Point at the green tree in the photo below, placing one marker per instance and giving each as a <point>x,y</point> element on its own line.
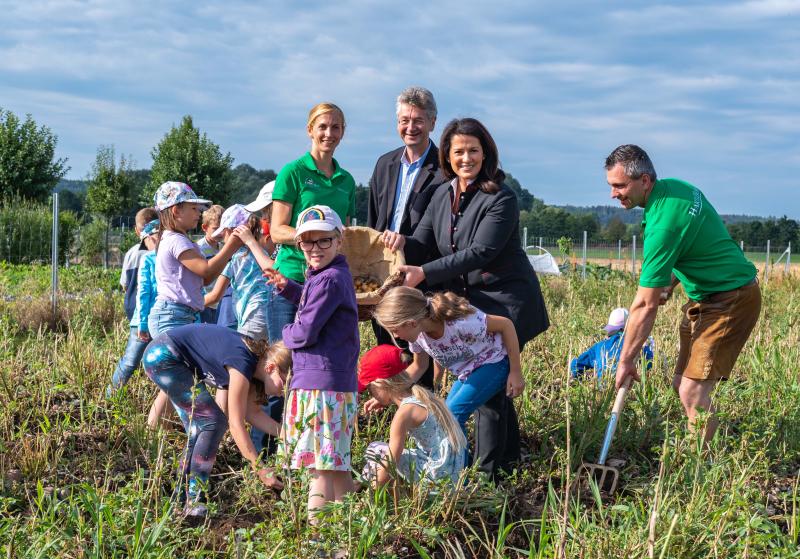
<point>615,230</point>
<point>110,185</point>
<point>525,198</point>
<point>362,202</point>
<point>28,167</point>
<point>247,182</point>
<point>187,156</point>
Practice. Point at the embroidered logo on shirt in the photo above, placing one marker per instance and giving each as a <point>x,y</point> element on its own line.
<point>697,204</point>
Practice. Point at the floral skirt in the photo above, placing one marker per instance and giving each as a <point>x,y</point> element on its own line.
<point>318,429</point>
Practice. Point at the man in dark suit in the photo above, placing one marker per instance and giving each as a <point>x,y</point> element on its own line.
<point>404,181</point>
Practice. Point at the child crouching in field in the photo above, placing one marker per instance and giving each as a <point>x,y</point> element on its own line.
<point>602,357</point>
<point>182,361</point>
<point>421,416</point>
<point>146,293</point>
<point>320,411</point>
<point>481,350</point>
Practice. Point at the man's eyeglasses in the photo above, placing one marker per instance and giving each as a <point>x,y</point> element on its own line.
<point>323,243</point>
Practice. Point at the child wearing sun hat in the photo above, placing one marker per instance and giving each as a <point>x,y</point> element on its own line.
<point>320,411</point>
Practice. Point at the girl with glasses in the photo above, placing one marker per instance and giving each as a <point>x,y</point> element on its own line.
<point>320,411</point>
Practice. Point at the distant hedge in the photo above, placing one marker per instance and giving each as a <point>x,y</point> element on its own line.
<point>26,230</point>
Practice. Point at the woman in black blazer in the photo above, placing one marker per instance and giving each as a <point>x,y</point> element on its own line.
<point>473,224</point>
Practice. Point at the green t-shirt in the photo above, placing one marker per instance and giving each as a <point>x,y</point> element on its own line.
<point>683,233</point>
<point>301,184</point>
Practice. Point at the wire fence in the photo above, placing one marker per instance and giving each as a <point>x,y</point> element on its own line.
<point>29,241</point>
<point>626,255</point>
<point>30,236</point>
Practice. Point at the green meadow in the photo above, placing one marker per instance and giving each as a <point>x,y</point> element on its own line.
<point>83,477</point>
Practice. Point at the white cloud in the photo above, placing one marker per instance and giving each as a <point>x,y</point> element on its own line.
<point>706,87</point>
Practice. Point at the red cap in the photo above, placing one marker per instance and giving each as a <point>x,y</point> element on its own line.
<point>382,361</point>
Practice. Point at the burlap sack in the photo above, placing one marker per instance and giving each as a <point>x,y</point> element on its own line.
<point>369,259</point>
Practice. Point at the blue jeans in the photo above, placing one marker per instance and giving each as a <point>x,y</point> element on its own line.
<point>225,315</point>
<point>166,315</point>
<point>280,312</point>
<point>130,360</point>
<point>208,316</point>
<point>468,395</point>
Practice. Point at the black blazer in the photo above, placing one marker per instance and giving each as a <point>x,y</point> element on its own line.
<point>482,257</point>
<point>383,186</point>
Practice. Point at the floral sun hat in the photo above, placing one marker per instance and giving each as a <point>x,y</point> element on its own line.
<point>172,193</point>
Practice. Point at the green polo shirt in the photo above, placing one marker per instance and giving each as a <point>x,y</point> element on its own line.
<point>302,185</point>
<point>684,234</point>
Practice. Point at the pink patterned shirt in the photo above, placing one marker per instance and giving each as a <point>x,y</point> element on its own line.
<point>465,346</point>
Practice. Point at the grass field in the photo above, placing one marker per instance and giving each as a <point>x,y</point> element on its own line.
<point>83,477</point>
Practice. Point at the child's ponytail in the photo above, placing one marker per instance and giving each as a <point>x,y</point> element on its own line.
<point>447,306</point>
<point>404,304</point>
<point>443,416</point>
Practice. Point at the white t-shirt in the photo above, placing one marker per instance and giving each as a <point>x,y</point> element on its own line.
<point>465,345</point>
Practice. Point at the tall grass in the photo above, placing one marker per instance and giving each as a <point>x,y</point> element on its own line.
<point>83,477</point>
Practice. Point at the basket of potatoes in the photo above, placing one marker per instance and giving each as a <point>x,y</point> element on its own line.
<point>375,268</point>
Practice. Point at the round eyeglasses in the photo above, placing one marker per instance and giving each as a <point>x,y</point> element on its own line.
<point>322,243</point>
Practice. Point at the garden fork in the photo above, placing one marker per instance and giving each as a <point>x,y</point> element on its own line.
<point>607,477</point>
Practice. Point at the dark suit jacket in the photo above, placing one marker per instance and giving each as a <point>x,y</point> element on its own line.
<point>383,186</point>
<point>482,257</point>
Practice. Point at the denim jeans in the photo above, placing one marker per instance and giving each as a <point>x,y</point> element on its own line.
<point>478,388</point>
<point>208,316</point>
<point>130,360</point>
<point>280,312</point>
<point>166,315</point>
<point>468,395</point>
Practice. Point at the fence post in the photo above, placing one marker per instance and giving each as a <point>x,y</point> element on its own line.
<point>525,239</point>
<point>120,253</point>
<point>741,245</point>
<point>619,249</point>
<point>54,256</point>
<point>105,245</point>
<point>633,257</point>
<point>788,259</point>
<point>766,264</point>
<point>355,222</point>
<point>583,274</point>
<point>541,244</point>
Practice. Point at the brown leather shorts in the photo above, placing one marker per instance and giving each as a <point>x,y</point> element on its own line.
<point>714,331</point>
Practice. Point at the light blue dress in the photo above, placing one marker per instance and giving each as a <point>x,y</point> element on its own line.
<point>432,458</point>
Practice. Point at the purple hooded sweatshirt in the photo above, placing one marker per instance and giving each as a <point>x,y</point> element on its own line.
<point>324,335</point>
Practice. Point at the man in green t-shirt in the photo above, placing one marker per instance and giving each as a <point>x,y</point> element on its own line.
<point>685,241</point>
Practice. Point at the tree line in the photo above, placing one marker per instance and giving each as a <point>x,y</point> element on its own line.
<point>29,169</point>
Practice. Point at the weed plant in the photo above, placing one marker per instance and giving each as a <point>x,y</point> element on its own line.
<point>83,477</point>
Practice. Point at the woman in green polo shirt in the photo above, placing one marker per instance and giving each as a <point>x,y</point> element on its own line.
<point>314,179</point>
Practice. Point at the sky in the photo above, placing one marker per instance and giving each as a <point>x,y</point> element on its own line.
<point>710,89</point>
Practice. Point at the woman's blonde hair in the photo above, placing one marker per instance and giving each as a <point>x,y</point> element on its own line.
<point>401,384</point>
<point>321,109</point>
<point>404,304</point>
